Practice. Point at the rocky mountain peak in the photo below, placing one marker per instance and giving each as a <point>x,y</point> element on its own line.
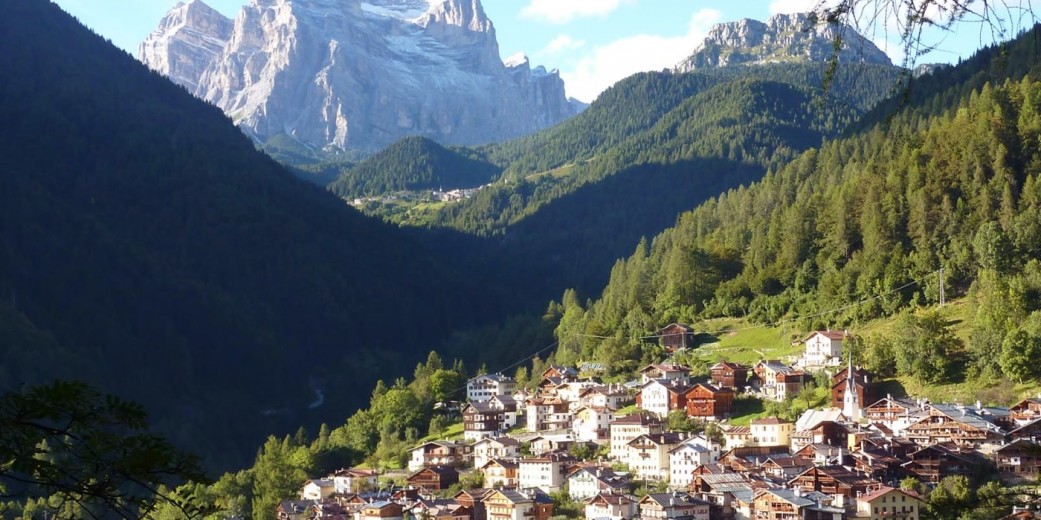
<point>361,74</point>
<point>189,37</point>
<point>782,38</point>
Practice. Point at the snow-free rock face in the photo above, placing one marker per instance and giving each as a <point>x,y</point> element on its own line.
<point>357,74</point>
<point>189,39</point>
<point>783,38</point>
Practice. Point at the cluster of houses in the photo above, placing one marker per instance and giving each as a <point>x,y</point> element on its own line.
<point>844,461</point>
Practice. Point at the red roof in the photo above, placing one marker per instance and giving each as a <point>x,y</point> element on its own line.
<point>830,334</point>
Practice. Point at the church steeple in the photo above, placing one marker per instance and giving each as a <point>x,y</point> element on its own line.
<point>851,407</point>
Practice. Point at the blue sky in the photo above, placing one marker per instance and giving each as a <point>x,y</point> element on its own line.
<point>593,43</point>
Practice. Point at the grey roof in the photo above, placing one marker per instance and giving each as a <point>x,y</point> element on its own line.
<point>791,497</point>
<point>967,416</point>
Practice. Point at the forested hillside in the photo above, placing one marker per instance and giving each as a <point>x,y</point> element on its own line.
<point>147,247</point>
<point>566,227</point>
<point>862,226</point>
<point>414,163</point>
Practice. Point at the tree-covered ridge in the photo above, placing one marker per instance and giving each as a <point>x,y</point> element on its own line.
<point>854,221</point>
<point>637,103</point>
<point>143,237</point>
<point>413,164</point>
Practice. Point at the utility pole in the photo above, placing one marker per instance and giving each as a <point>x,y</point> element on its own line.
<point>942,296</point>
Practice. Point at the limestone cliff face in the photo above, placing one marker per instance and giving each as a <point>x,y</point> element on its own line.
<point>356,74</point>
<point>189,39</point>
<point>783,38</point>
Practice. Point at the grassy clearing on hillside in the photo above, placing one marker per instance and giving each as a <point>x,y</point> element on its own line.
<point>739,341</point>
<point>454,431</point>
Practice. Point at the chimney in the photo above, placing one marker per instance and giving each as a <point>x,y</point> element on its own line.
<point>979,405</point>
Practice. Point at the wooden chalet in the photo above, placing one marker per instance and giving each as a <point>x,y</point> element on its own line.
<point>473,500</point>
<point>561,372</point>
<point>863,381</point>
<point>705,401</point>
<point>676,336</point>
<point>785,504</point>
<point>1030,430</point>
<point>1026,411</point>
<point>383,510</point>
<point>434,478</point>
<point>960,425</point>
<point>730,375</point>
<point>1021,458</point>
<point>932,464</point>
<point>481,420</point>
<point>833,480</point>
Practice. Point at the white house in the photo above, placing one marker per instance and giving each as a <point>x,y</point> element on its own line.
<point>612,506</point>
<point>546,473</point>
<point>318,489</point>
<point>591,481</point>
<point>605,396</point>
<point>649,455</point>
<point>823,349</point>
<point>625,429</point>
<point>486,386</point>
<point>686,457</point>
<point>591,423</point>
<point>353,480</point>
<point>488,448</point>
<point>658,395</point>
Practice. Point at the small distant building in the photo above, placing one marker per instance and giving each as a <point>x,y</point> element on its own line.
<point>823,349</point>
<point>661,396</point>
<point>434,478</point>
<point>500,473</point>
<point>886,503</point>
<point>611,506</point>
<point>673,505</point>
<point>932,464</point>
<point>353,480</point>
<point>488,448</point>
<point>522,504</point>
<point>605,396</point>
<point>708,402</point>
<point>668,371</point>
<point>771,431</point>
<point>486,386</point>
<point>562,372</point>
<point>546,472</point>
<point>649,454</point>
<point>586,482</point>
<point>690,454</point>
<point>625,429</point>
<point>383,510</point>
<point>591,423</point>
<point>776,381</point>
<point>440,453</point>
<point>548,414</point>
<point>864,393</point>
<point>1021,457</point>
<point>730,375</point>
<point>318,489</point>
<point>676,336</point>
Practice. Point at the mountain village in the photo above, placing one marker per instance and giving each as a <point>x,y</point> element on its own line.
<point>866,456</point>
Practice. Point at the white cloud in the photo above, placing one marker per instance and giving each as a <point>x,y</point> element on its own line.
<point>563,11</point>
<point>560,44</point>
<point>605,65</point>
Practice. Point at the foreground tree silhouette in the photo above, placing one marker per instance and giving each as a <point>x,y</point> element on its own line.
<point>89,451</point>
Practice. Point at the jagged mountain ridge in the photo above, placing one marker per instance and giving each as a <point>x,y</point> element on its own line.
<point>782,38</point>
<point>357,74</point>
